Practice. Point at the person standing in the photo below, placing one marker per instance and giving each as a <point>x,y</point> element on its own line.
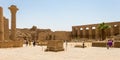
<point>26,42</point>
<point>83,45</point>
<point>34,43</point>
<point>109,43</point>
<point>66,44</point>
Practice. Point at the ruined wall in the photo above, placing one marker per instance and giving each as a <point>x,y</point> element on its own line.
<point>32,34</point>
<point>43,32</point>
<point>43,36</point>
<point>62,35</point>
<point>57,35</point>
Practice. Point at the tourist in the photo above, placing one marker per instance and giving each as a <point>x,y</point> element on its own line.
<point>83,44</point>
<point>34,43</point>
<point>26,42</point>
<point>66,43</point>
<point>109,43</point>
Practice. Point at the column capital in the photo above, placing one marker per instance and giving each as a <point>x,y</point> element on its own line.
<point>84,28</point>
<point>90,27</point>
<point>13,9</point>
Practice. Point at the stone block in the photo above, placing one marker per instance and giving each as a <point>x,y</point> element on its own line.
<point>55,45</point>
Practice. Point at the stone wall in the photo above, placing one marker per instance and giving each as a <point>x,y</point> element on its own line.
<point>11,44</point>
<point>57,35</point>
<point>43,36</point>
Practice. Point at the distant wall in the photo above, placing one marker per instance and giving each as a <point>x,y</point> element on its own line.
<point>62,35</point>
<point>57,35</point>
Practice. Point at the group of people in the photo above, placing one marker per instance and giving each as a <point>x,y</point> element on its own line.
<point>28,42</point>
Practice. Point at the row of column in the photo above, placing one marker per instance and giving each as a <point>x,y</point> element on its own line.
<point>90,32</point>
<point>4,24</point>
<point>97,32</point>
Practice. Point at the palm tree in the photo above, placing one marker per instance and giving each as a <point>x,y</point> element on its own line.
<point>102,27</point>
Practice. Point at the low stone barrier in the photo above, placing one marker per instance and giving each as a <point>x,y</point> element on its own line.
<point>6,44</point>
<point>10,44</point>
<point>55,45</point>
<point>117,44</point>
<point>98,44</point>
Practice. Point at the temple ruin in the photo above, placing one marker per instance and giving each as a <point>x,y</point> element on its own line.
<point>91,31</point>
<point>14,37</point>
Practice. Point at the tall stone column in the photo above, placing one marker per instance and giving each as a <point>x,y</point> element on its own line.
<point>90,32</point>
<point>119,28</point>
<point>1,25</point>
<point>84,32</point>
<point>6,29</point>
<point>73,32</point>
<point>78,32</point>
<point>13,9</point>
<point>96,33</point>
<point>112,30</point>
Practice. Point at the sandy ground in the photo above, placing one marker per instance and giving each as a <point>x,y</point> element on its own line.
<point>70,53</point>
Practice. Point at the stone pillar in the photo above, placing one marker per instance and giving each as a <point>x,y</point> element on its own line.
<point>119,28</point>
<point>96,33</point>
<point>112,30</point>
<point>73,32</point>
<point>78,32</point>
<point>84,32</point>
<point>6,29</point>
<point>13,9</point>
<point>1,25</point>
<point>90,32</point>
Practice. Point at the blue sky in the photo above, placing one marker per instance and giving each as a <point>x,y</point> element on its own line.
<point>62,14</point>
